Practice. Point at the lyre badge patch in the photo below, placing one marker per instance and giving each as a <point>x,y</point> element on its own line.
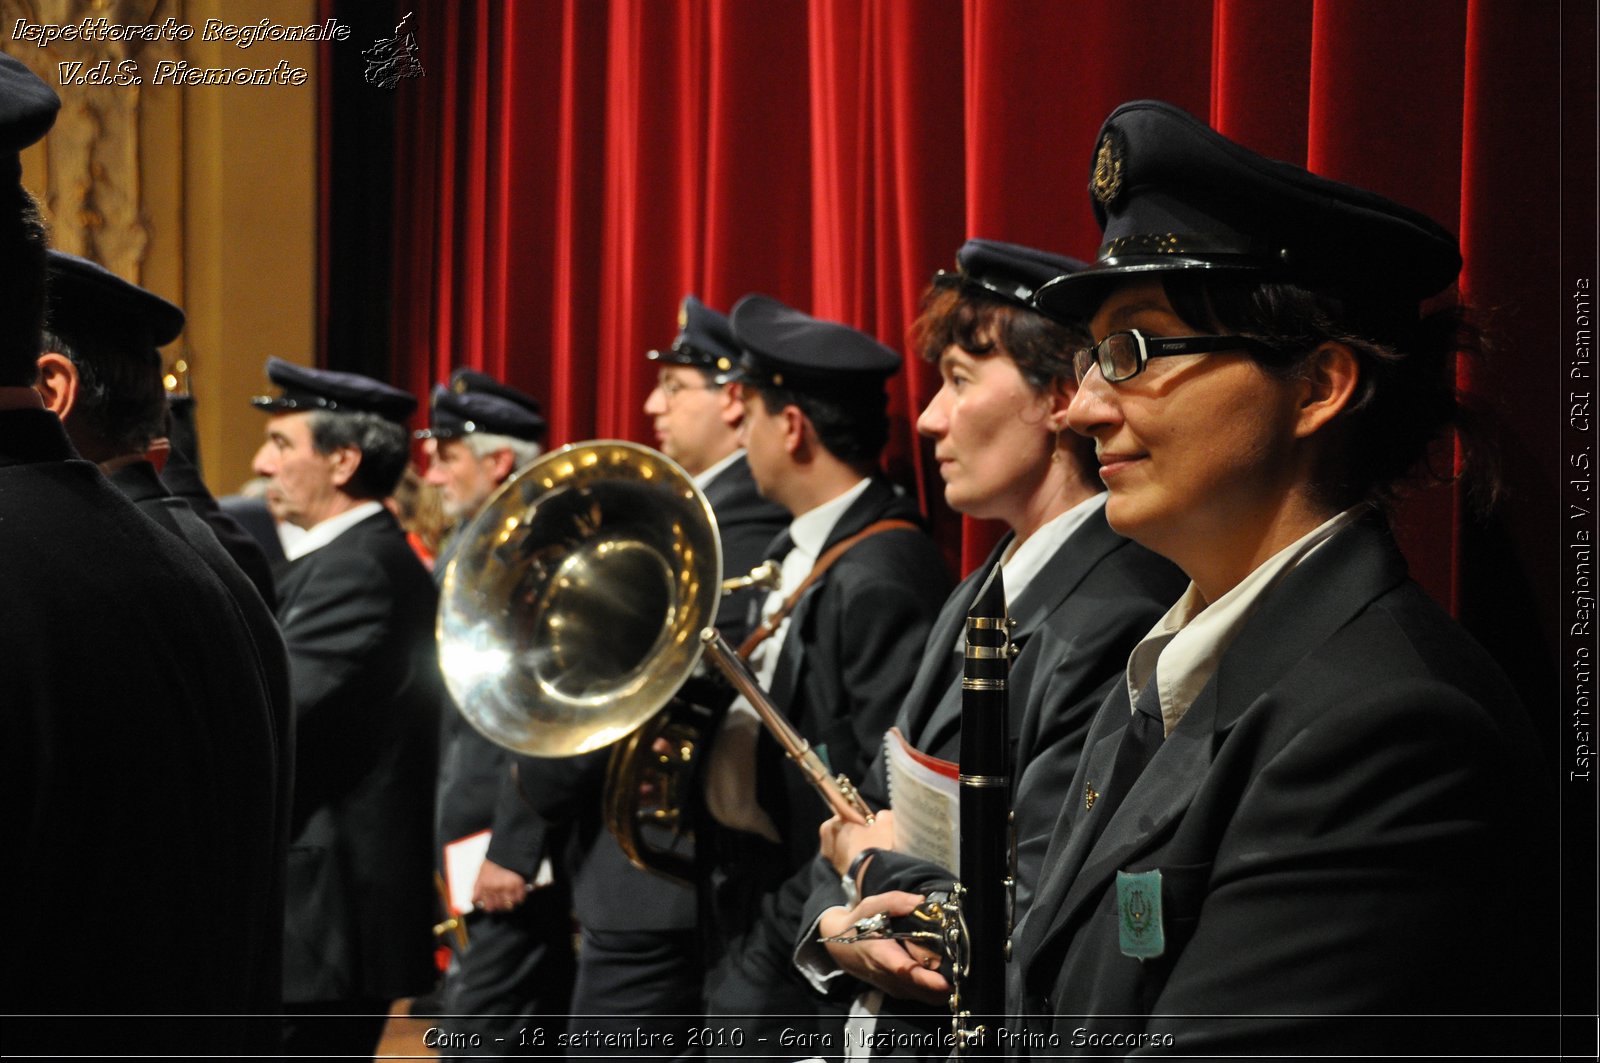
<point>1139,930</point>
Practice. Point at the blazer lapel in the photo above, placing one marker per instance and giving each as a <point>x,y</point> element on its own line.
<point>876,502</point>
<point>1322,594</point>
<point>936,712</point>
<point>1160,795</point>
<point>1061,574</point>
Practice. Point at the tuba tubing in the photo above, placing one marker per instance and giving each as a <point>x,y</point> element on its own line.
<point>838,792</point>
<point>574,612</point>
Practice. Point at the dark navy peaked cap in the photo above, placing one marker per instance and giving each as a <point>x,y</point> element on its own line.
<point>477,402</point>
<point>1008,271</point>
<point>27,111</point>
<point>705,341</point>
<point>1172,194</point>
<point>783,347</point>
<point>89,303</point>
<point>326,389</point>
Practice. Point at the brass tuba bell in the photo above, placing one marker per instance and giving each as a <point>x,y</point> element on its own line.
<point>572,611</point>
<point>577,606</point>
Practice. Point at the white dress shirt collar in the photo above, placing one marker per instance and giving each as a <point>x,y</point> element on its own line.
<point>810,530</point>
<point>1190,640</point>
<point>703,478</point>
<point>1020,564</point>
<point>319,535</point>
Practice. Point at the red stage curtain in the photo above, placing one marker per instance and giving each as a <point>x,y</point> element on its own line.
<point>568,169</point>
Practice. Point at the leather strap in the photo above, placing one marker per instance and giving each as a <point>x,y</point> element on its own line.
<point>767,627</point>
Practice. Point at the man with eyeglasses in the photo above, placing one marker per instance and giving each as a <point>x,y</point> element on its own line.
<point>697,411</point>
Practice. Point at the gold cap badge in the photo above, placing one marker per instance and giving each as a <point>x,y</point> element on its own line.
<point>1107,182</point>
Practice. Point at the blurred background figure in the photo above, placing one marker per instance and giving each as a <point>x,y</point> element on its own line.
<point>419,509</point>
<point>357,611</point>
<point>515,972</point>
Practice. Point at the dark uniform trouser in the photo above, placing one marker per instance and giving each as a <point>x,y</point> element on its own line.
<point>638,982</point>
<point>514,977</point>
<point>754,987</point>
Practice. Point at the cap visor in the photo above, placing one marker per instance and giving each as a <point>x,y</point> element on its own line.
<point>1075,297</point>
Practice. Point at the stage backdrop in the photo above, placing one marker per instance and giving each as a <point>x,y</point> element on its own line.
<point>567,169</point>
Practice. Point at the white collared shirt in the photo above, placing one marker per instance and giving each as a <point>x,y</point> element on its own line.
<point>1190,640</point>
<point>1020,564</point>
<point>319,535</point>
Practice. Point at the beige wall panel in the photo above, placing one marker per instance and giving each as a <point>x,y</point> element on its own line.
<point>206,194</point>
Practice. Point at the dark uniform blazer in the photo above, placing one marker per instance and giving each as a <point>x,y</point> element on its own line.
<point>140,484</point>
<point>852,649</point>
<point>182,479</point>
<point>1077,621</point>
<point>746,526</point>
<point>358,616</point>
<point>1348,820</point>
<point>850,653</point>
<point>138,738</point>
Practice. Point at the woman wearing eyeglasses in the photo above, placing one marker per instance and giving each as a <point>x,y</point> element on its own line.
<point>1311,812</point>
<point>1081,595</point>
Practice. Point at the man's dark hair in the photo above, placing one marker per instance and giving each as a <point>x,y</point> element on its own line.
<point>852,428</point>
<point>23,239</point>
<point>121,404</point>
<point>384,446</point>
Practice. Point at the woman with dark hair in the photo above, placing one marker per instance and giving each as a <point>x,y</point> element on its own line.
<point>1081,596</point>
<point>1309,818</point>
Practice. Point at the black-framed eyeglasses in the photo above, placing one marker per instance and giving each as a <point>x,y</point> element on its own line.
<point>1123,355</point>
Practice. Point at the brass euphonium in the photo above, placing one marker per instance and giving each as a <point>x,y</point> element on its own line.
<point>577,606</point>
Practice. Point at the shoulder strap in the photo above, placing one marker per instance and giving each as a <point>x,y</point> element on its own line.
<point>765,630</point>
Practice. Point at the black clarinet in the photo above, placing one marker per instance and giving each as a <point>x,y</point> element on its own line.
<point>983,896</point>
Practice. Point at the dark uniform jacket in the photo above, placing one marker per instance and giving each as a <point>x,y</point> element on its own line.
<point>1349,820</point>
<point>140,757</point>
<point>182,479</point>
<point>140,484</point>
<point>358,617</point>
<point>852,649</point>
<point>1076,622</point>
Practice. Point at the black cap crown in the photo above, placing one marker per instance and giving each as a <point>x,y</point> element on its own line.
<point>705,341</point>
<point>1008,271</point>
<point>27,111</point>
<point>89,303</point>
<point>782,347</point>
<point>326,389</point>
<point>1173,194</point>
<point>477,402</point>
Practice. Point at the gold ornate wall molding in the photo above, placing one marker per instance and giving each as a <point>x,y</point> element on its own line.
<point>203,193</point>
<point>93,190</point>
